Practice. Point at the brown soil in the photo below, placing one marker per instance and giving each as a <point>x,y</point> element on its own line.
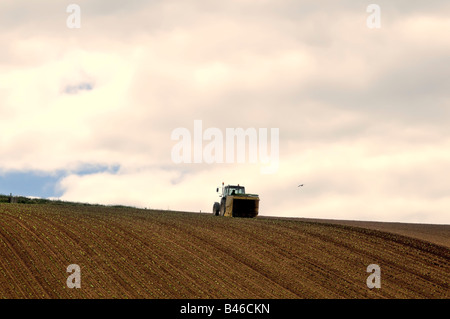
<point>434,233</point>
<point>130,253</point>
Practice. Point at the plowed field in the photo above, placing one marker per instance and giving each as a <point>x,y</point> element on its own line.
<point>130,253</point>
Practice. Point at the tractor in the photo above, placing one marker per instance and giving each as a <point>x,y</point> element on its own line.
<point>235,202</point>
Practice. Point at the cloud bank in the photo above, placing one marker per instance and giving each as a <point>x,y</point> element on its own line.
<point>362,113</point>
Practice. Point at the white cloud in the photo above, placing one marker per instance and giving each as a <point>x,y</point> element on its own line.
<point>362,113</point>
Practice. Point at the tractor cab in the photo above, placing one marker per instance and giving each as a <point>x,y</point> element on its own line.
<point>231,190</point>
<point>234,190</point>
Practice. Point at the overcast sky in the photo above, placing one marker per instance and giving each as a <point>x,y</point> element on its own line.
<point>87,114</point>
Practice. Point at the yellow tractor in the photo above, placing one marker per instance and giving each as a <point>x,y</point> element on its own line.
<point>235,202</point>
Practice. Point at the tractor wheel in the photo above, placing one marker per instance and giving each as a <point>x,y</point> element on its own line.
<point>216,209</point>
<point>222,206</point>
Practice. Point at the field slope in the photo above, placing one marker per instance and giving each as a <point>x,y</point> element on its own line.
<point>131,253</point>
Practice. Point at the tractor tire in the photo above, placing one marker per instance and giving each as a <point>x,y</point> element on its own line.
<point>222,206</point>
<point>216,209</point>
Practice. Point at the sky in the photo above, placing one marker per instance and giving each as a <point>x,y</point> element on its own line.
<point>100,104</point>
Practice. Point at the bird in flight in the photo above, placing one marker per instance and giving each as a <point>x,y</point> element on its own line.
<point>300,185</point>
